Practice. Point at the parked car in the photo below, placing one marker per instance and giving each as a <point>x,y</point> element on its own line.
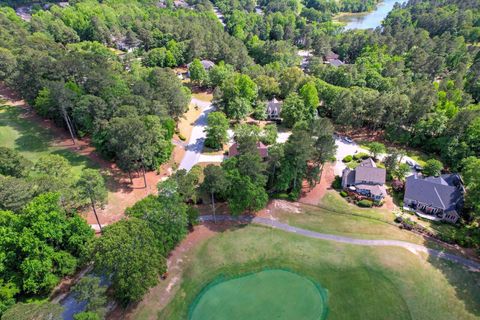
<point>347,140</point>
<point>410,163</point>
<point>418,167</point>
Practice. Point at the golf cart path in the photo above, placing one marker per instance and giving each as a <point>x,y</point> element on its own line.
<point>414,248</point>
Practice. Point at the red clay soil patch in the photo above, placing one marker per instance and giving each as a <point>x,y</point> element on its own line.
<point>388,203</point>
<point>122,193</point>
<point>277,205</point>
<point>314,195</point>
<point>364,134</point>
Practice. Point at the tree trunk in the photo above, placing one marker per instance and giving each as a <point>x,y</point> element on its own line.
<point>95,213</point>
<point>143,171</point>
<point>69,126</point>
<point>213,208</point>
<point>130,176</point>
<point>144,177</point>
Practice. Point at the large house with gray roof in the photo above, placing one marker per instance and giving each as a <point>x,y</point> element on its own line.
<point>366,180</point>
<point>435,198</point>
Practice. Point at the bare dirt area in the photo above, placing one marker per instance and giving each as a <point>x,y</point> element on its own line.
<point>388,203</point>
<point>122,193</point>
<point>314,195</point>
<point>364,134</point>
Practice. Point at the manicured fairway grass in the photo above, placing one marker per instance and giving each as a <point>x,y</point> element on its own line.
<point>362,282</point>
<point>269,294</point>
<point>347,220</point>
<point>31,140</point>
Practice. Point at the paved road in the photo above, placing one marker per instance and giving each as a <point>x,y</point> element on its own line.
<point>218,158</point>
<point>197,138</point>
<point>415,248</point>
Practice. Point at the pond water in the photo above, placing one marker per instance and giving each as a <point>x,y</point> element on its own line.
<point>369,20</point>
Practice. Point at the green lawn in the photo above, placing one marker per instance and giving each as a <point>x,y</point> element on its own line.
<point>334,202</point>
<point>279,294</point>
<point>325,221</point>
<point>362,282</point>
<point>33,141</point>
<point>417,155</point>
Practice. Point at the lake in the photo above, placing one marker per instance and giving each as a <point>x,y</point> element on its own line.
<point>368,20</point>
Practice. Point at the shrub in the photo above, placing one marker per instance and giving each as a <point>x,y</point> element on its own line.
<point>337,183</point>
<point>294,195</point>
<point>281,196</point>
<point>182,137</point>
<point>398,185</point>
<point>361,156</point>
<point>365,203</point>
<point>378,203</point>
<point>344,193</point>
<point>192,214</point>
<point>348,158</point>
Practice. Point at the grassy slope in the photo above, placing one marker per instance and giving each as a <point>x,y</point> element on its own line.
<point>363,282</point>
<point>33,141</point>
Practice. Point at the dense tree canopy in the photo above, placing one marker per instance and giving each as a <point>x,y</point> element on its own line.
<point>39,246</point>
<point>128,251</point>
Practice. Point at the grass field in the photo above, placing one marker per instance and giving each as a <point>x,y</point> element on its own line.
<point>325,221</point>
<point>269,294</point>
<point>362,282</point>
<point>33,141</point>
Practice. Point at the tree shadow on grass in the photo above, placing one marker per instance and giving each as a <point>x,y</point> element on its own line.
<point>76,159</point>
<point>31,138</point>
<point>465,282</point>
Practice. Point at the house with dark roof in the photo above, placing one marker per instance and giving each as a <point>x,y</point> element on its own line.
<point>207,65</point>
<point>366,180</point>
<point>333,59</point>
<point>261,148</point>
<point>435,198</point>
<point>274,108</point>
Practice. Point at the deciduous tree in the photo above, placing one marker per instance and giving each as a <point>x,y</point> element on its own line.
<point>216,130</point>
<point>128,252</point>
<point>214,183</point>
<point>432,168</point>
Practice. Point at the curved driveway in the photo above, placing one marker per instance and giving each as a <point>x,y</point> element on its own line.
<point>415,248</point>
<point>194,147</point>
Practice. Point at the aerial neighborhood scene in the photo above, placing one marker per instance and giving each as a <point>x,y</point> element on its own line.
<point>231,160</point>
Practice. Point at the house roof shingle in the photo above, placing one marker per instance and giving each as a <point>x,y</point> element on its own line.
<point>367,172</point>
<point>443,192</point>
<point>375,190</point>
<point>262,150</point>
<point>274,106</point>
<point>207,64</point>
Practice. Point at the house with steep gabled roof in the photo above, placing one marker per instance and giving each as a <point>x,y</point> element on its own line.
<point>274,108</point>
<point>435,198</point>
<point>366,180</point>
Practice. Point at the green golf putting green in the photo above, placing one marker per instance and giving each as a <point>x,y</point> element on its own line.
<point>270,294</point>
